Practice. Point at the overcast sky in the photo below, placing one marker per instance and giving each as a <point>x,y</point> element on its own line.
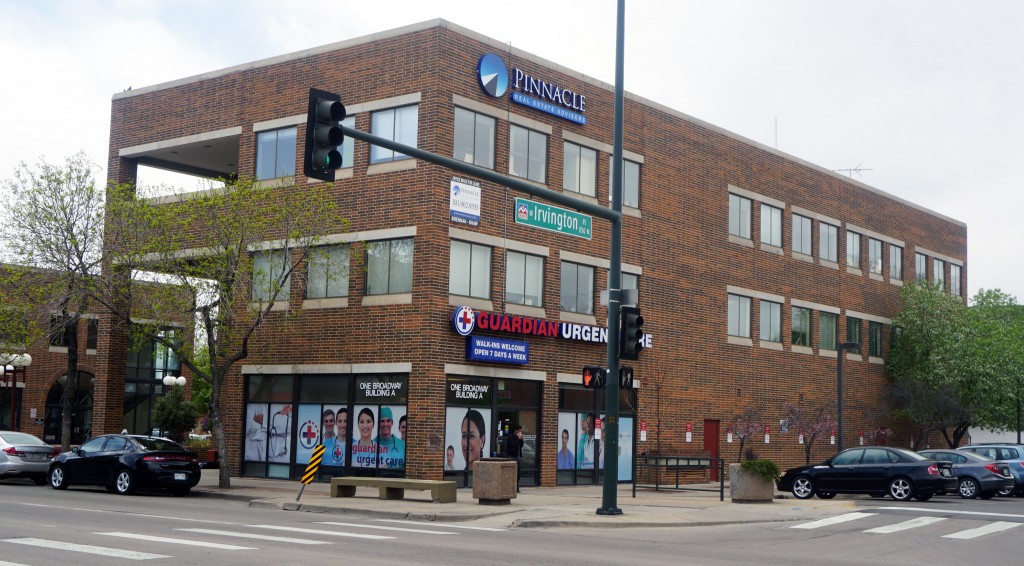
<point>926,97</point>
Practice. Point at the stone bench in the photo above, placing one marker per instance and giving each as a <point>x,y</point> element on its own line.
<point>394,488</point>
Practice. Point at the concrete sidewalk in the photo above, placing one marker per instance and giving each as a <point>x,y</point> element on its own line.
<point>565,506</point>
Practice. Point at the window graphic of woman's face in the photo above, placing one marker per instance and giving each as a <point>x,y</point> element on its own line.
<point>365,426</point>
<point>471,441</point>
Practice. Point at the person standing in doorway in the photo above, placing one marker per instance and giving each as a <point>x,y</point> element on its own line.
<point>515,450</point>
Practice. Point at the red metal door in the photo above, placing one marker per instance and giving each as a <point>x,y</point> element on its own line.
<point>711,445</point>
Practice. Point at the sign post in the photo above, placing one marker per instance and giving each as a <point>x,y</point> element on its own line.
<point>311,468</point>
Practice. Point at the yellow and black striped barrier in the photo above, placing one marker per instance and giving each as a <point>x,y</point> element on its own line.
<point>311,468</point>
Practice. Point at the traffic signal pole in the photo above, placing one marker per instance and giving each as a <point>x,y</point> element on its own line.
<point>609,504</point>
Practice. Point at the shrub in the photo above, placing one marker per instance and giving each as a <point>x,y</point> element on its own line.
<point>174,415</point>
<point>765,468</point>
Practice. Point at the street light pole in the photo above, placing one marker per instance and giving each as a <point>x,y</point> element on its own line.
<point>839,385</point>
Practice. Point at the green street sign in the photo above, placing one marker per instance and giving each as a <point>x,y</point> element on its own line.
<point>553,218</point>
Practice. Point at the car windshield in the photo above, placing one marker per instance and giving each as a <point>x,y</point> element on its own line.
<point>162,444</point>
<point>912,455</point>
<point>21,438</point>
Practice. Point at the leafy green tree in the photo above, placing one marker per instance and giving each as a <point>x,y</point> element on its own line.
<point>174,414</point>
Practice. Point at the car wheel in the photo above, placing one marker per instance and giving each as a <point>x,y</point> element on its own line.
<point>923,496</point>
<point>826,494</point>
<point>180,491</point>
<point>39,480</point>
<point>803,487</point>
<point>987,495</point>
<point>58,477</point>
<point>968,488</point>
<point>124,483</point>
<point>901,489</point>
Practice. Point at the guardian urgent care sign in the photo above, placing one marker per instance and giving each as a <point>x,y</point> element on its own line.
<point>465,320</point>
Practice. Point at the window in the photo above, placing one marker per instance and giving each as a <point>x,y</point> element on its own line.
<point>828,243</point>
<point>853,250</point>
<point>630,281</point>
<point>469,270</point>
<point>474,138</point>
<point>939,267</point>
<point>395,124</point>
<point>739,316</point>
<point>630,183</point>
<point>875,339</point>
<point>896,262</point>
<point>853,330</point>
<point>275,154</point>
<point>92,329</point>
<point>739,216</point>
<point>60,331</point>
<point>524,279</point>
<point>771,322</point>
<point>921,267</point>
<point>771,225</point>
<point>528,154</point>
<point>875,256</point>
<point>955,281</point>
<point>579,173</point>
<point>346,148</point>
<point>801,234</point>
<point>267,268</point>
<point>327,272</point>
<point>827,323</point>
<point>801,326</point>
<point>577,288</point>
<point>389,267</point>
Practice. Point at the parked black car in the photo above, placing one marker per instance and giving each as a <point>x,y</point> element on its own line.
<point>874,470</point>
<point>122,463</point>
<point>976,476</point>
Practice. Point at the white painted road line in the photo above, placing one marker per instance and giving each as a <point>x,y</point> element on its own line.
<point>254,536</point>
<point>941,510</point>
<point>86,548</point>
<point>319,532</point>
<point>446,525</point>
<point>911,524</point>
<point>833,520</point>
<point>185,542</point>
<point>994,527</point>
<point>404,530</point>
<point>2,563</point>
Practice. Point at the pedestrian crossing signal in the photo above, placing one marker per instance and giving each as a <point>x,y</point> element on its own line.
<point>594,377</point>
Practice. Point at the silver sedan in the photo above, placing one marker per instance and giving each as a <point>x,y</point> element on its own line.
<point>25,456</point>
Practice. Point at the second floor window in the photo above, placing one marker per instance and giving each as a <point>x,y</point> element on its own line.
<point>955,280</point>
<point>524,279</point>
<point>267,269</point>
<point>853,330</point>
<point>275,154</point>
<point>327,272</point>
<point>827,331</point>
<point>389,267</point>
<point>921,267</point>
<point>579,172</point>
<point>828,242</point>
<point>92,333</point>
<point>771,225</point>
<point>577,288</point>
<point>801,326</point>
<point>396,124</point>
<point>801,234</point>
<point>771,321</point>
<point>528,154</point>
<point>631,183</point>
<point>631,281</point>
<point>739,216</point>
<point>469,270</point>
<point>940,273</point>
<point>60,331</point>
<point>739,316</point>
<point>853,250</point>
<point>896,262</point>
<point>875,256</point>
<point>474,138</point>
<point>875,339</point>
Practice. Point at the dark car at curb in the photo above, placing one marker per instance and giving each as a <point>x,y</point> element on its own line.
<point>123,463</point>
<point>976,475</point>
<point>872,470</point>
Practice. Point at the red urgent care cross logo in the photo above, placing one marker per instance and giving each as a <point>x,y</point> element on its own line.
<point>310,433</point>
<point>463,320</point>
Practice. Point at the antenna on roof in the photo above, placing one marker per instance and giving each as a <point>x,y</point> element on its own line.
<point>850,172</point>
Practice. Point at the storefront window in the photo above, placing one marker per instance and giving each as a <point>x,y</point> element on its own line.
<point>581,442</point>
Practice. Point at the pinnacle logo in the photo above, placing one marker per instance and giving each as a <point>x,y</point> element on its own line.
<point>493,75</point>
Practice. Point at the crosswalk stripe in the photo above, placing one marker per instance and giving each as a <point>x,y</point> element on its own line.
<point>253,535</point>
<point>86,548</point>
<point>404,530</point>
<point>954,512</point>
<point>833,520</point>
<point>993,527</point>
<point>911,524</point>
<point>185,542</point>
<point>2,563</point>
<point>447,526</point>
<point>320,532</point>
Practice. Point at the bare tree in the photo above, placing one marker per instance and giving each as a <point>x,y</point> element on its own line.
<point>745,426</point>
<point>810,424</point>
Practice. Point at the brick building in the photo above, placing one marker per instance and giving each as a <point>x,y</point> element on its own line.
<point>750,264</point>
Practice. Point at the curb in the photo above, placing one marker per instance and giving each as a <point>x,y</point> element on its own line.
<point>381,513</point>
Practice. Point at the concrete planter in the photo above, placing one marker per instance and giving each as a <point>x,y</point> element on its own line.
<point>494,481</point>
<point>749,487</point>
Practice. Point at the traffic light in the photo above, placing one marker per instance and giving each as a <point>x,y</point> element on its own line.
<point>594,377</point>
<point>632,340</point>
<point>625,377</point>
<point>323,135</point>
